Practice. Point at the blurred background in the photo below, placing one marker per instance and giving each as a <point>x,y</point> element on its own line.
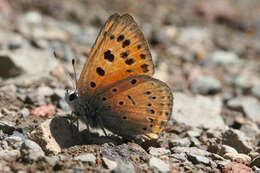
<point>202,47</point>
<point>207,51</point>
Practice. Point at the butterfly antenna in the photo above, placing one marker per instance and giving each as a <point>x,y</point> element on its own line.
<point>74,70</point>
<point>66,71</point>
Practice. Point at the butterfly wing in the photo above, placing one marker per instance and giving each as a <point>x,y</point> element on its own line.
<point>135,106</point>
<point>120,51</point>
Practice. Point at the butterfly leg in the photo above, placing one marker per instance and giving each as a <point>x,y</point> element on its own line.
<point>87,123</point>
<point>88,129</point>
<point>102,126</point>
<point>78,124</point>
<point>104,131</point>
<point>72,120</point>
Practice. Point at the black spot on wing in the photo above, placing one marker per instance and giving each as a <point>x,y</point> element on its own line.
<point>112,37</point>
<point>114,90</point>
<point>92,84</point>
<point>124,54</point>
<point>131,99</point>
<point>130,61</point>
<point>100,71</point>
<point>147,92</point>
<point>133,81</point>
<point>129,70</point>
<point>144,68</point>
<point>142,56</point>
<point>120,38</point>
<point>109,56</point>
<point>125,43</point>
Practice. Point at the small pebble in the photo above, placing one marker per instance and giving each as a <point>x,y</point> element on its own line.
<point>52,160</point>
<point>158,164</point>
<point>15,141</point>
<point>25,112</point>
<point>183,142</point>
<point>179,156</point>
<point>194,133</point>
<point>238,140</point>
<point>220,57</point>
<point>238,157</point>
<point>90,158</point>
<point>205,85</point>
<point>110,164</point>
<point>34,150</point>
<point>227,149</point>
<point>10,155</point>
<point>123,167</point>
<point>158,151</point>
<point>45,91</point>
<point>197,159</point>
<point>234,167</point>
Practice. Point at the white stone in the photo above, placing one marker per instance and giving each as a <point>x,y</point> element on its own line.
<point>223,57</point>
<point>158,151</point>
<point>250,106</point>
<point>90,158</point>
<point>109,163</point>
<point>44,133</point>
<point>34,150</point>
<point>198,111</point>
<point>155,163</point>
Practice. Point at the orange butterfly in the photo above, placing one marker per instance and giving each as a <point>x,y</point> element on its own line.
<point>115,90</point>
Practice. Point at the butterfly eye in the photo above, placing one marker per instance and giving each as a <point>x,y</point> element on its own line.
<point>72,96</point>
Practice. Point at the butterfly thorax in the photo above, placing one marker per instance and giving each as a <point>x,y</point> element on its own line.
<point>81,107</point>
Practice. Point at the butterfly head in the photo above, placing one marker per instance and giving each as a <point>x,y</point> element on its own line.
<point>71,97</point>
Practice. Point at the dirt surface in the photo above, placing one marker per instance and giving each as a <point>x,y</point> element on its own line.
<point>208,52</point>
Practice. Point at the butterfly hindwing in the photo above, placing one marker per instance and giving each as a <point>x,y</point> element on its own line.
<point>135,106</point>
<point>119,52</point>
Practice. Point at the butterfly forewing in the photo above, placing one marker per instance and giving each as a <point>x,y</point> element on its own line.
<point>135,106</point>
<point>81,84</point>
<point>119,52</point>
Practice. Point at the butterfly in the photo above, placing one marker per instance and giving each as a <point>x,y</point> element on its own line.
<point>116,90</point>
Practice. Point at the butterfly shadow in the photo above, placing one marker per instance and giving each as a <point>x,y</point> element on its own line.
<point>67,134</point>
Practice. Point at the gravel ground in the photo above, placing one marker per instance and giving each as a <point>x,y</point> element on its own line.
<point>208,52</point>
